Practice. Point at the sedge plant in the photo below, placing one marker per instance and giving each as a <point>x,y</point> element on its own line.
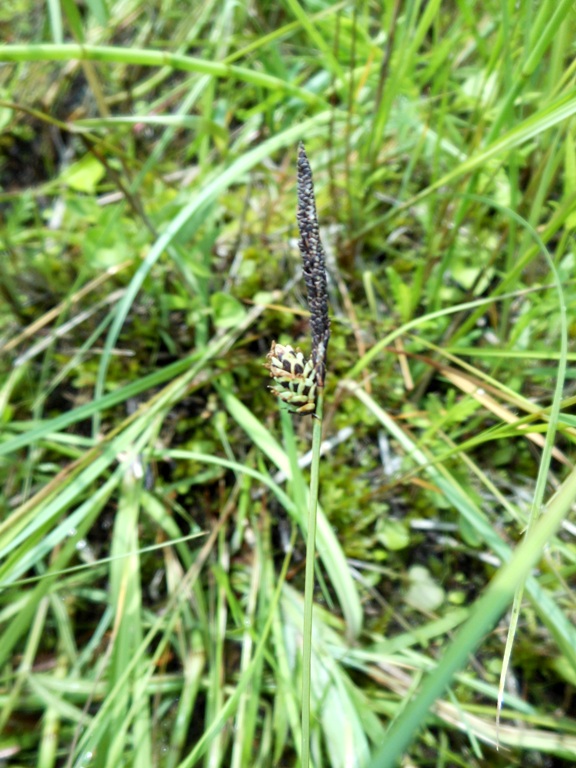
<point>300,384</point>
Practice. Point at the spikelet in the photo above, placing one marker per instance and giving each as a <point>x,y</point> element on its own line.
<point>294,377</point>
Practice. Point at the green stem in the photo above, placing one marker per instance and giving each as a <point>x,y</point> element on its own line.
<point>146,57</point>
<point>309,585</point>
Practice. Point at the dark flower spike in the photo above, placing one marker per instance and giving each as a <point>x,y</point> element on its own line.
<point>296,380</point>
<point>314,266</point>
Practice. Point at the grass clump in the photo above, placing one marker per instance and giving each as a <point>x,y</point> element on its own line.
<point>154,499</point>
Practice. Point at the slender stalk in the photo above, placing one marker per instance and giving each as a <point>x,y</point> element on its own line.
<point>309,585</point>
<point>300,384</point>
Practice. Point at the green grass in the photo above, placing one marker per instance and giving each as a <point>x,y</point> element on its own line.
<point>155,501</point>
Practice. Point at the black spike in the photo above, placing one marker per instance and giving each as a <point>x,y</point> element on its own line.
<point>314,265</point>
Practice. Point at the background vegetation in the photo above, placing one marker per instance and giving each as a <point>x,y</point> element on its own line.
<point>154,496</point>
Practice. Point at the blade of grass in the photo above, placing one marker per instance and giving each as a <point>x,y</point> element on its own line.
<point>149,58</point>
<point>484,614</point>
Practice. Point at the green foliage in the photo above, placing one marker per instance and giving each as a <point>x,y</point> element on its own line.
<point>152,518</point>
